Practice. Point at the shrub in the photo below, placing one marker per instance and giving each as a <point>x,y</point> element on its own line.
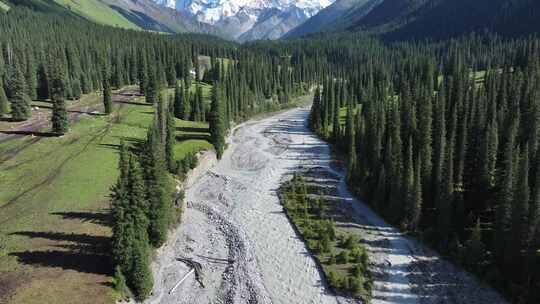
<point>343,257</point>
<point>331,229</point>
<point>309,233</point>
<point>189,162</point>
<point>325,244</point>
<point>332,259</point>
<point>350,242</point>
<point>358,270</point>
<point>356,286</point>
<point>119,283</point>
<point>332,279</point>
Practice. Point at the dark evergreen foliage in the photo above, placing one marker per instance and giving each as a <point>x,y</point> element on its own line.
<point>4,102</point>
<point>436,151</point>
<point>217,117</point>
<point>107,97</point>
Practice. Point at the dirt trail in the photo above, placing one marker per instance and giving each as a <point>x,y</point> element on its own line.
<point>41,117</point>
<point>235,227</point>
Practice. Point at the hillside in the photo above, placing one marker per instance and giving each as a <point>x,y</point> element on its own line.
<point>274,23</point>
<point>444,18</point>
<point>419,19</point>
<point>99,12</point>
<point>150,16</point>
<point>336,16</point>
<point>128,14</point>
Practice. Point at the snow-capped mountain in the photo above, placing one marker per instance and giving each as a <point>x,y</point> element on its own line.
<point>167,3</point>
<point>250,19</point>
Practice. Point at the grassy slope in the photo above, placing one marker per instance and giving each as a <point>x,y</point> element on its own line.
<point>99,12</point>
<point>206,89</point>
<point>4,7</point>
<point>53,207</point>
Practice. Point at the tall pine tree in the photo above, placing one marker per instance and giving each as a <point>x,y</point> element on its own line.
<point>59,116</point>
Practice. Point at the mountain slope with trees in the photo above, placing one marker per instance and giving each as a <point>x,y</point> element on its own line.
<point>128,14</point>
<point>442,140</point>
<point>444,18</point>
<point>337,16</point>
<point>435,19</point>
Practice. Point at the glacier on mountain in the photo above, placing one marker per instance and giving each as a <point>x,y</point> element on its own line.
<point>250,19</point>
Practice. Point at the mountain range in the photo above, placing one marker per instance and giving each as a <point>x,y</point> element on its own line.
<point>250,19</point>
<point>244,20</point>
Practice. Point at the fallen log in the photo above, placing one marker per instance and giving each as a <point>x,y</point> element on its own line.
<point>182,280</point>
<point>195,266</point>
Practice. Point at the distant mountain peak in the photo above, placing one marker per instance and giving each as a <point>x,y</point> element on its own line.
<point>250,18</point>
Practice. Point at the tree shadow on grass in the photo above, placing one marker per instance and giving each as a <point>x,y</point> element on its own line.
<point>183,137</point>
<point>31,133</point>
<point>133,103</point>
<point>110,146</point>
<point>192,129</point>
<point>67,260</point>
<point>80,252</point>
<point>133,144</point>
<point>102,218</point>
<point>94,113</point>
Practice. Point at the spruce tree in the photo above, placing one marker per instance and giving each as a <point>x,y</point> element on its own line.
<point>505,196</point>
<point>349,127</point>
<point>156,185</point>
<point>489,154</point>
<point>107,98</point>
<point>42,83</point>
<point>336,126</point>
<point>151,90</point>
<point>395,176</point>
<point>4,103</point>
<point>217,126</point>
<point>351,146</point>
<point>475,247</point>
<point>439,149</point>
<point>534,208</point>
<point>315,115</point>
<point>122,232</point>
<point>59,116</point>
<point>425,130</point>
<point>415,209</point>
<point>179,109</point>
<point>446,197</point>
<point>170,140</point>
<point>139,275</point>
<point>20,102</point>
<point>520,209</point>
<point>142,74</point>
<point>407,184</point>
<point>186,104</point>
<point>199,103</point>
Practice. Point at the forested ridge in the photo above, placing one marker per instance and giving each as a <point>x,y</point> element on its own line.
<point>442,139</point>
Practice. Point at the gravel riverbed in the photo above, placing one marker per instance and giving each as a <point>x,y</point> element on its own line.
<point>234,226</point>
